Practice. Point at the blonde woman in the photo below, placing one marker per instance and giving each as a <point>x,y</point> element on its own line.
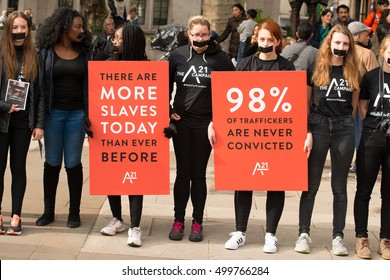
<point>191,114</point>
<point>332,94</point>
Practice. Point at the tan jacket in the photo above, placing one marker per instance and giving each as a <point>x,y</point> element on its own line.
<point>367,60</point>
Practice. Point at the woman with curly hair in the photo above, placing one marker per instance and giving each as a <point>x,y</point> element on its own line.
<point>64,43</point>
<point>332,94</point>
<point>19,61</point>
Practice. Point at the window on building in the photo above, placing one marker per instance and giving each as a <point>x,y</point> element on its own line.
<point>160,12</point>
<point>65,3</point>
<point>141,7</point>
<point>13,5</point>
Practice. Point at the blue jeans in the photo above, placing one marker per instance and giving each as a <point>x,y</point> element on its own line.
<point>358,129</point>
<point>337,135</point>
<point>64,137</point>
<point>241,50</point>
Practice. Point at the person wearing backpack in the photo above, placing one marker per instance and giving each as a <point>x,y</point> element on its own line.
<point>301,54</point>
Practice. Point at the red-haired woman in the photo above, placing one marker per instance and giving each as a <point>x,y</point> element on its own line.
<point>269,39</point>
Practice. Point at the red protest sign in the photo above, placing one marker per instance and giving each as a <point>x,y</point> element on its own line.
<point>128,108</point>
<point>260,120</point>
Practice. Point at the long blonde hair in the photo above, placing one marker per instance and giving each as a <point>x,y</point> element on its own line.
<point>323,67</point>
<point>384,44</point>
<point>8,53</point>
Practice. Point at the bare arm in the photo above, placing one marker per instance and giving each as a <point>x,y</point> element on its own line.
<point>355,100</point>
<point>363,105</point>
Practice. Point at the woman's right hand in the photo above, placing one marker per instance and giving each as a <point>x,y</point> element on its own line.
<point>211,134</point>
<point>308,144</point>
<point>175,117</point>
<point>14,108</point>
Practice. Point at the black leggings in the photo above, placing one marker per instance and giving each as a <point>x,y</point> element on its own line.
<point>135,202</point>
<point>17,140</point>
<point>274,208</point>
<point>192,151</point>
<point>373,154</point>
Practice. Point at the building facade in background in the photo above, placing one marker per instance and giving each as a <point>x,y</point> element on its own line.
<point>155,13</point>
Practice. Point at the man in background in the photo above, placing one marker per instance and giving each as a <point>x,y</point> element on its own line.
<point>102,44</point>
<point>343,15</point>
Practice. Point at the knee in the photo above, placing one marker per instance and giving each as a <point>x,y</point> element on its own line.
<point>340,193</point>
<point>74,168</point>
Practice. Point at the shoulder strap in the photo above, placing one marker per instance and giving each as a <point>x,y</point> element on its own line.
<point>381,90</point>
<point>296,55</point>
<point>1,69</point>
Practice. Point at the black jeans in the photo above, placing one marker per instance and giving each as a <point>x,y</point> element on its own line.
<point>373,152</point>
<point>274,208</point>
<point>192,151</point>
<point>135,203</point>
<point>337,136</point>
<point>17,140</point>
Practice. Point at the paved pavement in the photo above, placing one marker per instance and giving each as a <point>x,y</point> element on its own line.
<point>57,242</point>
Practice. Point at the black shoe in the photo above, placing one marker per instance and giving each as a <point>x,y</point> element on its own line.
<point>45,219</point>
<point>73,221</point>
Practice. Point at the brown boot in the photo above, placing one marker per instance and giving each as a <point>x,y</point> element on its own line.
<point>384,248</point>
<point>363,248</point>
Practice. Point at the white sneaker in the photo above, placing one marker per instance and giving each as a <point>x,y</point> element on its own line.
<point>270,243</point>
<point>135,235</point>
<point>338,247</point>
<point>236,240</point>
<point>113,227</point>
<point>302,245</point>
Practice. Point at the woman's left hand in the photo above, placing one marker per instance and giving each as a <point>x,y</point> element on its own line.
<point>37,134</point>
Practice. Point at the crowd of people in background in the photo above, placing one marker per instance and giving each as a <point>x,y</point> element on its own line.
<point>357,122</point>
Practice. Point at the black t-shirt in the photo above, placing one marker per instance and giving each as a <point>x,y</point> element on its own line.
<point>334,100</point>
<point>369,90</point>
<point>254,63</point>
<point>68,76</point>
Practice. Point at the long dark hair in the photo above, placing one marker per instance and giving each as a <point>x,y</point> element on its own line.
<point>134,43</point>
<point>8,53</point>
<point>239,6</point>
<point>55,25</point>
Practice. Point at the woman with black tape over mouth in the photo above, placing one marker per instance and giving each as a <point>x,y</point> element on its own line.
<point>332,94</point>
<point>190,67</point>
<point>267,58</point>
<point>22,111</point>
<point>64,43</point>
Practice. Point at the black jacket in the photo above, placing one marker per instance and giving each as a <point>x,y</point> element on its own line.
<point>36,114</point>
<point>101,47</point>
<point>48,58</point>
<point>231,28</point>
